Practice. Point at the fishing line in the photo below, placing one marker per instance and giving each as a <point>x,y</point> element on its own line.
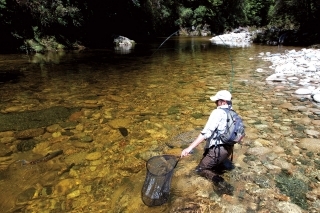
<point>164,42</point>
<point>231,62</point>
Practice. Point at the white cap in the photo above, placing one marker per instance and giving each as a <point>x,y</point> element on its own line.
<point>222,95</point>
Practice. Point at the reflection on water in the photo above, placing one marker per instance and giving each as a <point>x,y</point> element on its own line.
<point>155,98</point>
<point>232,44</point>
<point>124,49</point>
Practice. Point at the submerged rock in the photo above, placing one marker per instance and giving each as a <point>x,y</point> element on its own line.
<point>26,145</point>
<point>34,119</point>
<point>123,45</point>
<point>29,133</point>
<point>123,131</point>
<point>287,207</point>
<point>10,75</point>
<point>311,144</point>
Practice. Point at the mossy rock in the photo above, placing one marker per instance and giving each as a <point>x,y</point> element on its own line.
<point>248,158</point>
<point>293,187</point>
<point>304,161</point>
<point>197,115</point>
<point>26,145</point>
<point>317,164</point>
<point>34,119</point>
<point>262,181</point>
<point>310,154</point>
<point>202,100</point>
<point>173,110</point>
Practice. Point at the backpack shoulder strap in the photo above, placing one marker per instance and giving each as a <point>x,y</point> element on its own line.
<point>227,111</point>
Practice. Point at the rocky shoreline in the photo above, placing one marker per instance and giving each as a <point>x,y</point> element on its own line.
<point>298,68</point>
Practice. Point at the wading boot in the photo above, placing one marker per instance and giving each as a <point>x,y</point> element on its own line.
<point>221,186</point>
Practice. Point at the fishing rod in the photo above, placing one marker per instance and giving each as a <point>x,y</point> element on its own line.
<point>231,62</point>
<point>164,42</point>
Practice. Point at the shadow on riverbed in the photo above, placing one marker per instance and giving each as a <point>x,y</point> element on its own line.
<point>34,119</point>
<point>10,75</point>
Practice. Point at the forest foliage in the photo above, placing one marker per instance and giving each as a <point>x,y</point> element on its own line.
<point>54,24</point>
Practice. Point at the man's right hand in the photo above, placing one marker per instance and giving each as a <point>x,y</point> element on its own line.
<point>185,152</point>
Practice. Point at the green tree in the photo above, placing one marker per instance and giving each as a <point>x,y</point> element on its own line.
<point>220,15</point>
<point>301,14</point>
<point>41,22</point>
<point>46,23</point>
<point>257,11</point>
<point>48,13</point>
<point>160,15</point>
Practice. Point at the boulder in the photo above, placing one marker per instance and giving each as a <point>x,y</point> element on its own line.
<point>310,144</point>
<point>123,45</point>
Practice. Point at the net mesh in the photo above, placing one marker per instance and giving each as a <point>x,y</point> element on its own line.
<point>156,187</point>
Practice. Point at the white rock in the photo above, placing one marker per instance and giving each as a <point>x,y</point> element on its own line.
<point>312,88</point>
<point>259,70</point>
<point>311,68</point>
<point>305,81</point>
<point>294,79</point>
<point>302,91</point>
<point>303,64</point>
<point>316,97</point>
<point>312,132</point>
<point>276,77</point>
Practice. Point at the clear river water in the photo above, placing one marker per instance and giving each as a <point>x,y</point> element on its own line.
<point>78,127</point>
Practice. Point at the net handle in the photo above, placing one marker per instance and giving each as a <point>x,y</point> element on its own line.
<point>179,157</point>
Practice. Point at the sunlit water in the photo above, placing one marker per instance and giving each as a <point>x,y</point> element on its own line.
<point>154,94</point>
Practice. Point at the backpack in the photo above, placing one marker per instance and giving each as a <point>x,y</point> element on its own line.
<point>235,128</point>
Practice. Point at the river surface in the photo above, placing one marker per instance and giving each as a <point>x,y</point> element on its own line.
<point>126,107</point>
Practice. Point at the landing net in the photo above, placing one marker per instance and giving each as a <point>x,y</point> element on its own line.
<point>156,187</point>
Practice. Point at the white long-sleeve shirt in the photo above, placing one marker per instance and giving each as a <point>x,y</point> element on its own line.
<point>217,120</point>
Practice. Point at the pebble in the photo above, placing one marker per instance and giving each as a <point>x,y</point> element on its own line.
<point>53,128</point>
<point>56,134</point>
<point>4,159</point>
<point>303,91</point>
<point>29,133</point>
<point>287,207</point>
<point>283,164</point>
<point>13,109</point>
<point>259,151</point>
<point>91,101</point>
<point>312,132</point>
<point>6,134</point>
<point>73,194</point>
<point>86,139</point>
<point>93,156</point>
<point>118,123</point>
<point>64,186</point>
<point>6,140</point>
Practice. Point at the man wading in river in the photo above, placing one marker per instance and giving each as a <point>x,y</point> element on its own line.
<point>215,151</point>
